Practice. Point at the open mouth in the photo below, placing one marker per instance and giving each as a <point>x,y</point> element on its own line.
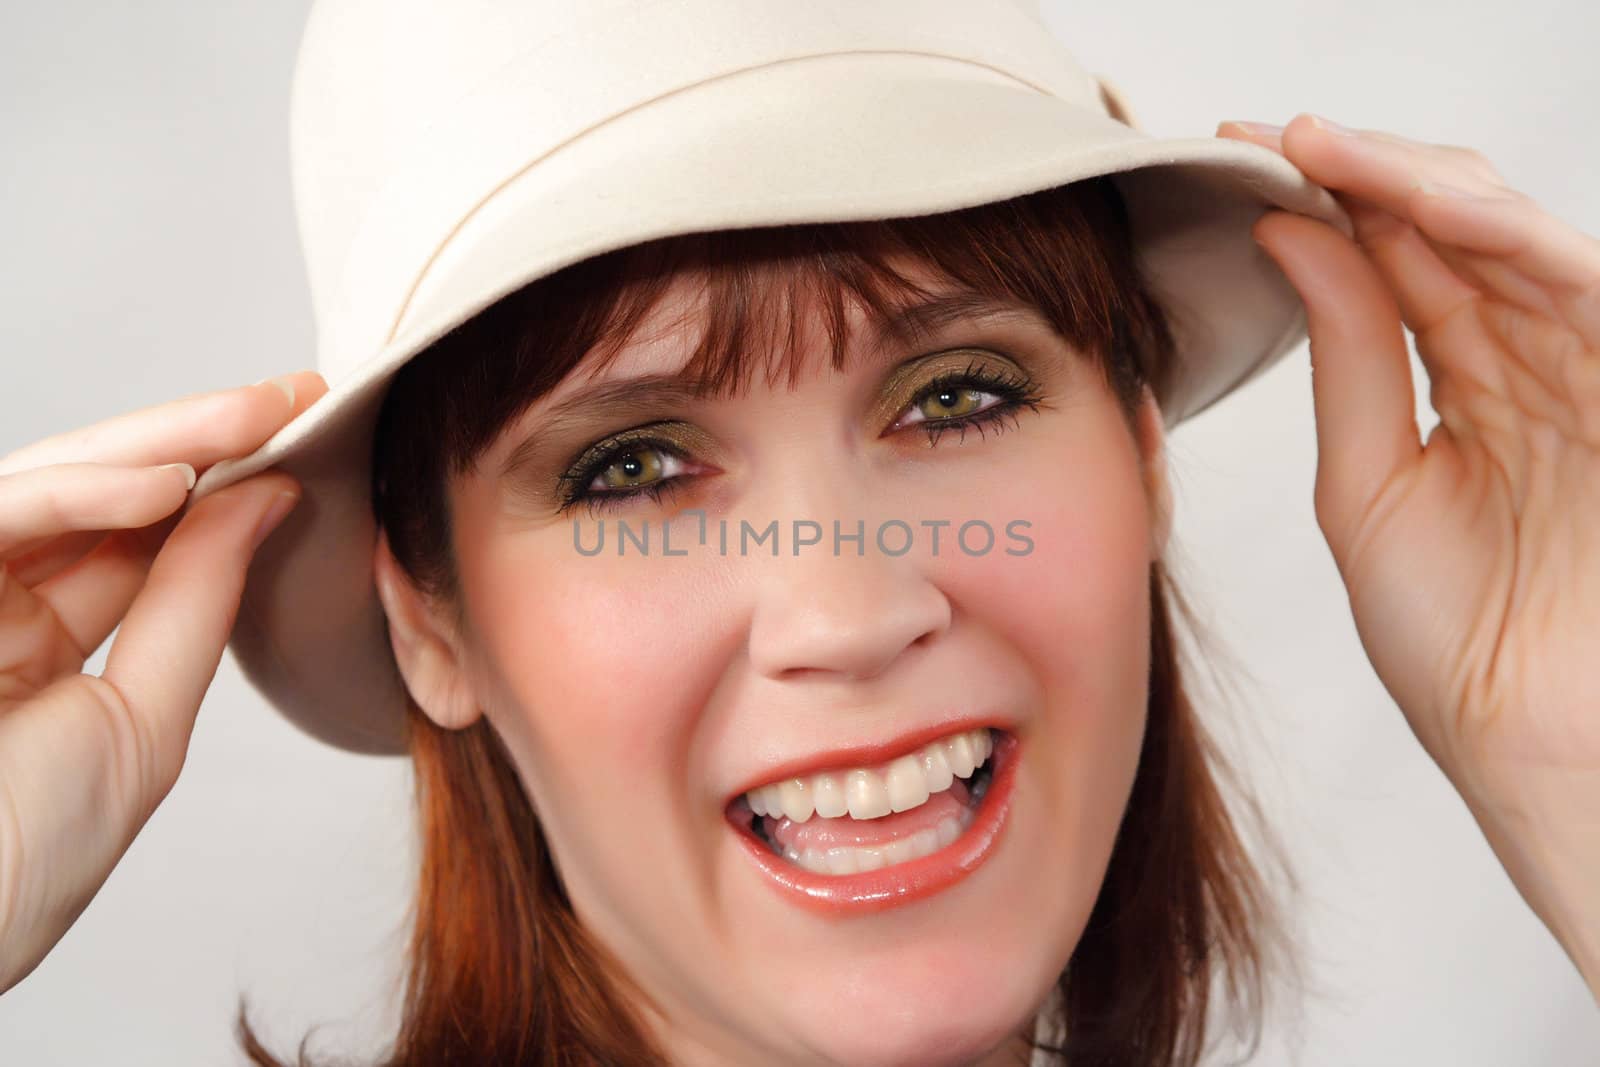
<point>877,834</point>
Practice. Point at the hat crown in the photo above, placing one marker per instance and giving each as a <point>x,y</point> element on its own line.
<point>406,115</point>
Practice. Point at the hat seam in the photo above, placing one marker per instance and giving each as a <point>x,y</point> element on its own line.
<point>477,205</point>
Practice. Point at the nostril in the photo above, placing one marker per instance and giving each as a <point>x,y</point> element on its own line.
<point>852,624</point>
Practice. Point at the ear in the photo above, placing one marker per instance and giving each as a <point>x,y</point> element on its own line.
<point>1151,435</point>
<point>425,648</point>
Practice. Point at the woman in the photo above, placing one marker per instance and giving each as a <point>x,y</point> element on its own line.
<point>726,689</point>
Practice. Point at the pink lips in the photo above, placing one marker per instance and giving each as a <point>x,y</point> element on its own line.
<point>899,883</point>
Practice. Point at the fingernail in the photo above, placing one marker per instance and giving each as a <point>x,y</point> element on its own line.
<point>274,514</point>
<point>283,384</point>
<point>1329,125</point>
<point>1262,129</point>
<point>188,471</point>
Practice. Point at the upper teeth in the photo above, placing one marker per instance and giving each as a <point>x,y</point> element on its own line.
<point>873,792</point>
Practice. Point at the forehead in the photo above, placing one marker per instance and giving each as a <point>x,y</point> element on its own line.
<point>662,342</point>
<point>716,334</point>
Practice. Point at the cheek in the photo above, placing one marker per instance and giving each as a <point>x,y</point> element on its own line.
<point>1076,601</point>
<point>597,667</point>
<point>1076,608</point>
<point>597,656</point>
<point>1089,577</point>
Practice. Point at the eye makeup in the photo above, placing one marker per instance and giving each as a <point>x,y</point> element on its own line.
<point>950,379</point>
<point>674,441</point>
<point>967,388</point>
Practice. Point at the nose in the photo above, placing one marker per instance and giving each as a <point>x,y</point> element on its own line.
<point>848,615</point>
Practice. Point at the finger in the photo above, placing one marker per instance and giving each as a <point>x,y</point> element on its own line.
<point>198,430</point>
<point>89,599</point>
<point>34,651</point>
<point>50,623</point>
<point>1383,169</point>
<point>1362,392</point>
<point>46,502</point>
<point>1466,161</point>
<point>1408,180</point>
<point>167,650</point>
<point>45,558</point>
<point>51,627</point>
<point>1427,288</point>
<point>1269,134</point>
<point>56,554</point>
<point>1465,249</point>
<point>1262,133</point>
<point>1550,266</point>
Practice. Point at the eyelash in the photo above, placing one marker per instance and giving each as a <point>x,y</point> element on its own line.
<point>1015,393</point>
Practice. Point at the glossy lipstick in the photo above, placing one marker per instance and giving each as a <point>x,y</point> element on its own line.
<point>900,883</point>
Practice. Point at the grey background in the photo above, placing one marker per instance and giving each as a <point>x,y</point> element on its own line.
<point>147,250</point>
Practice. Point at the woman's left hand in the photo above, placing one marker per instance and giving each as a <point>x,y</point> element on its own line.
<point>1472,560</point>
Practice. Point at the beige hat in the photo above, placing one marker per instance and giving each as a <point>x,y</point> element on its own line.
<point>445,154</point>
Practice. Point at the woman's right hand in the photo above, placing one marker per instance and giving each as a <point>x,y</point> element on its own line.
<point>90,539</point>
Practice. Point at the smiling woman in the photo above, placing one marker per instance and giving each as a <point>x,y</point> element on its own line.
<point>870,700</point>
<point>807,305</point>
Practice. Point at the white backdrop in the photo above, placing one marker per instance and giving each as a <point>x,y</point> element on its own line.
<point>147,250</point>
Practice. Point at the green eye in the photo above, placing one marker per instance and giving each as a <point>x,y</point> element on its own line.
<point>649,460</point>
<point>950,403</point>
<point>636,467</point>
<point>981,396</point>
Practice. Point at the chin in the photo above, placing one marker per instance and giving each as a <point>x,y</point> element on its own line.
<point>899,1032</point>
<point>944,1004</point>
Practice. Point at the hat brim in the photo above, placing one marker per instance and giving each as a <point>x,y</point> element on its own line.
<point>830,138</point>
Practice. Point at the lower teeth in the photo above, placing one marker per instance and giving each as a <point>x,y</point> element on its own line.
<point>853,860</point>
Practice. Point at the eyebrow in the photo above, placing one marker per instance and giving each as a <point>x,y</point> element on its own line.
<point>920,321</point>
<point>628,394</point>
<point>630,399</point>
<point>648,394</point>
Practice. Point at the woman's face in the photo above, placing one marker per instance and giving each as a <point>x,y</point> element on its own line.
<point>644,695</point>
